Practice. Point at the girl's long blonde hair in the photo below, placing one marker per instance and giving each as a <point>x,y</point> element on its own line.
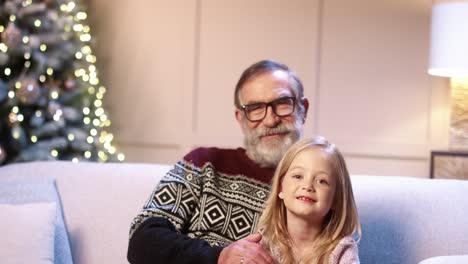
<point>341,221</point>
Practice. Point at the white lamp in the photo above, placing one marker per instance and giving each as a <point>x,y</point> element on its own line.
<point>449,58</point>
<point>449,38</point>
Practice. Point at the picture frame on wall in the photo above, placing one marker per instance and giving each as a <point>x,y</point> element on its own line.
<point>449,165</point>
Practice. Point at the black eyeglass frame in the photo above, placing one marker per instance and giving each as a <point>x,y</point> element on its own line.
<point>273,105</point>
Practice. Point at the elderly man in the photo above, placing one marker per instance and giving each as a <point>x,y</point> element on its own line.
<point>205,209</point>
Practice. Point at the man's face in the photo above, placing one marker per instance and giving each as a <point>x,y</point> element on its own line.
<point>268,139</point>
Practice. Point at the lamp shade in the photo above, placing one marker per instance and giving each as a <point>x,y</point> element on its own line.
<point>449,39</point>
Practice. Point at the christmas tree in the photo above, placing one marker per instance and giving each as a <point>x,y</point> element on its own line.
<point>51,104</point>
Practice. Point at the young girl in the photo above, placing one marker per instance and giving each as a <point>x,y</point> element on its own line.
<point>310,214</point>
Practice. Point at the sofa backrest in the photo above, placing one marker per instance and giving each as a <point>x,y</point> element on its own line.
<point>404,220</point>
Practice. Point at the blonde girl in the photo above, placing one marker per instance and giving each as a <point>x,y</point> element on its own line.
<point>310,214</point>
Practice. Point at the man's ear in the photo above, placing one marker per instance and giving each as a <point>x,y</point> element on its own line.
<point>305,103</point>
<point>238,113</point>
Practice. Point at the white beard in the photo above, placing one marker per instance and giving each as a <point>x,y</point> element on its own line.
<point>268,154</point>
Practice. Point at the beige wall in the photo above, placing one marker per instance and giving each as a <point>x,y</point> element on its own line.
<point>170,68</point>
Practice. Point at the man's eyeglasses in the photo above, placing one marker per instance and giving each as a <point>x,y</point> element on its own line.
<point>281,107</point>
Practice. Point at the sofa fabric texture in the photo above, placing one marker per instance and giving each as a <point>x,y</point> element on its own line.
<point>404,220</point>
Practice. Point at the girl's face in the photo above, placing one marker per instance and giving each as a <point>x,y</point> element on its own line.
<point>308,187</point>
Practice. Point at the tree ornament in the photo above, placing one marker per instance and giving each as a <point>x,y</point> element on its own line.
<point>29,92</point>
<point>69,84</point>
<point>11,36</point>
<point>49,3</point>
<point>3,154</point>
<point>52,84</point>
<point>13,118</point>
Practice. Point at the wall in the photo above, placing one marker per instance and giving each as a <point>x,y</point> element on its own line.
<point>170,68</point>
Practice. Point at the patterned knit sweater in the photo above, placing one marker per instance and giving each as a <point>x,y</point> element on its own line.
<point>209,199</point>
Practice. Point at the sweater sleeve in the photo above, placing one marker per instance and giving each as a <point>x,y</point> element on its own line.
<point>349,255</point>
<point>158,233</point>
<point>346,252</point>
<point>175,198</point>
<point>157,241</point>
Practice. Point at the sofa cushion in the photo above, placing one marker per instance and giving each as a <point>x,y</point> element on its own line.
<point>27,233</point>
<point>407,220</point>
<point>446,260</point>
<point>14,191</point>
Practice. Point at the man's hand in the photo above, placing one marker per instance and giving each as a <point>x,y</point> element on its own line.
<point>246,250</point>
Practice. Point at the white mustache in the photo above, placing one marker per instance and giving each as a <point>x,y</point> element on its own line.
<point>282,129</point>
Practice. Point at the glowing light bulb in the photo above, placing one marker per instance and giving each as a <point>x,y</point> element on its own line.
<point>98,103</point>
<point>3,47</point>
<point>71,6</point>
<point>54,95</point>
<point>99,112</point>
<point>78,55</point>
<point>121,157</point>
<point>86,110</point>
<point>81,15</point>
<point>85,37</point>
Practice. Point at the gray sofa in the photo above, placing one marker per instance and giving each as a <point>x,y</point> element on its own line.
<point>404,220</point>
